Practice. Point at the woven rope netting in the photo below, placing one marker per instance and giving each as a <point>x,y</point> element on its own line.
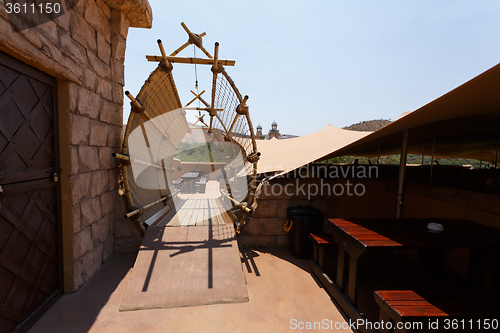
<point>155,129</point>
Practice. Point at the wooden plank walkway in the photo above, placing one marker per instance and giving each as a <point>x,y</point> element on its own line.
<point>196,212</point>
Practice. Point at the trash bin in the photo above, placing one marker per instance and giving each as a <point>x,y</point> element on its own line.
<point>301,221</point>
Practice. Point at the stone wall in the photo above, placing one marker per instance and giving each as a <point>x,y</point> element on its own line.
<point>265,228</point>
<point>84,50</point>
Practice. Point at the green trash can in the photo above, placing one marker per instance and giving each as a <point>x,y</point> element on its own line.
<point>301,221</point>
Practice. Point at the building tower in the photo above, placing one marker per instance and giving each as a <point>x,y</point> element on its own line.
<point>274,132</point>
<point>258,135</point>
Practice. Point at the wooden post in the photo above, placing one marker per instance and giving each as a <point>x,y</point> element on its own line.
<point>133,100</point>
<point>402,174</point>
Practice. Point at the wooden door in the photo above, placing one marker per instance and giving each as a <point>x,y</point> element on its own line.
<point>30,275</point>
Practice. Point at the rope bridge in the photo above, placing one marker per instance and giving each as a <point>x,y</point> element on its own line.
<point>157,125</point>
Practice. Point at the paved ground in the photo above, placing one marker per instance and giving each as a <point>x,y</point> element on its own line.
<point>282,295</point>
<point>186,266</point>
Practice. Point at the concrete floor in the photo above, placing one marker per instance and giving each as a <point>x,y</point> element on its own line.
<point>283,295</point>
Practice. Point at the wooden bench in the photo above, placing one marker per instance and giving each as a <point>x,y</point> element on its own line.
<point>406,307</point>
<point>202,184</point>
<point>178,183</point>
<point>320,242</point>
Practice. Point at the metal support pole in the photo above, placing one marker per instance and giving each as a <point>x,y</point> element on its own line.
<point>432,158</point>
<point>402,174</point>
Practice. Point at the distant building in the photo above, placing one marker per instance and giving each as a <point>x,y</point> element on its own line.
<point>274,132</point>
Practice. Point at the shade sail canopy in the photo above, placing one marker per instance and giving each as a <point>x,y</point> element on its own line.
<point>464,123</point>
<point>287,155</point>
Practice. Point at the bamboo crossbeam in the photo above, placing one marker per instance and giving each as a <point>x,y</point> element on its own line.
<point>197,96</point>
<point>126,158</point>
<point>201,98</point>
<point>202,109</point>
<point>137,211</point>
<point>184,60</point>
<point>237,203</point>
<point>133,100</point>
<point>232,126</point>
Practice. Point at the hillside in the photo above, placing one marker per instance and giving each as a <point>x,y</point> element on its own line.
<point>368,125</point>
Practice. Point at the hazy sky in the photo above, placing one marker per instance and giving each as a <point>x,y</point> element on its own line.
<point>306,64</point>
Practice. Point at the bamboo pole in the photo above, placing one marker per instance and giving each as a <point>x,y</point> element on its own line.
<point>192,38</point>
<point>237,203</point>
<point>202,109</point>
<point>197,96</point>
<point>187,60</point>
<point>216,56</point>
<point>137,211</point>
<point>133,100</point>
<point>232,126</point>
<point>126,158</point>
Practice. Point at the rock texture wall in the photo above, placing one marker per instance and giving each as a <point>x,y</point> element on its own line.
<point>85,50</point>
<point>265,229</point>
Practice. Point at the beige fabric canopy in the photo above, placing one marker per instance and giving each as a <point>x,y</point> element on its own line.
<point>289,154</point>
<point>464,123</point>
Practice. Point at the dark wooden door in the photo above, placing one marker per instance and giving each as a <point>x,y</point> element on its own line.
<point>29,245</point>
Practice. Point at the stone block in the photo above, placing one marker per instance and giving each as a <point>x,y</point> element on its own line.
<point>80,130</point>
<point>88,103</point>
<point>107,202</point>
<point>75,161</point>
<point>77,219</point>
<point>81,187</point>
<point>119,23</point>
<point>99,67</point>
<point>282,241</point>
<point>127,245</point>
<point>105,89</point>
<point>108,110</point>
<point>96,17</point>
<point>115,136</point>
<point>103,49</point>
<point>88,158</point>
<point>98,133</point>
<point>118,45</point>
<point>105,9</point>
<point>76,50</point>
<point>117,93</point>
<point>63,21</point>
<point>89,79</point>
<point>329,208</point>
<point>272,226</point>
<point>82,32</point>
<point>100,229</point>
<point>126,229</point>
<point>49,30</point>
<point>106,159</point>
<point>107,249</point>
<point>252,227</point>
<point>91,212</point>
<point>113,179</point>
<point>91,263</point>
<point>77,279</point>
<point>82,243</point>
<point>99,182</point>
<point>256,241</point>
<point>266,208</point>
<point>118,71</point>
<point>121,207</point>
<point>73,97</point>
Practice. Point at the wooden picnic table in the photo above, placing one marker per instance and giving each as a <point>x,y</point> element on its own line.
<point>189,178</point>
<point>357,237</point>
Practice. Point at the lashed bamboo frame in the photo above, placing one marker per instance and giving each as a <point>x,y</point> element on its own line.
<point>217,68</point>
